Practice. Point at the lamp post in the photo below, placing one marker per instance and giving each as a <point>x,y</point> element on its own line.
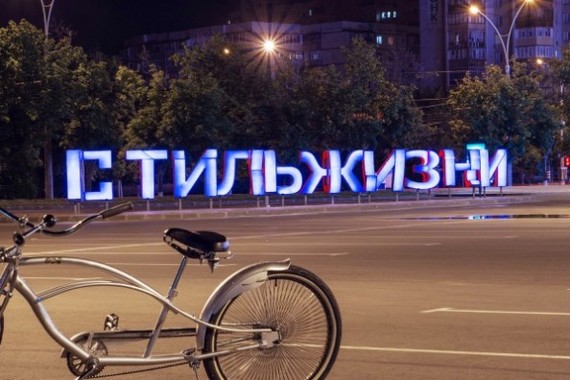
<point>505,45</point>
<point>47,7</point>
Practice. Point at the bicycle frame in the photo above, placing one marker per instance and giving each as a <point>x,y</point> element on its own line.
<point>241,281</point>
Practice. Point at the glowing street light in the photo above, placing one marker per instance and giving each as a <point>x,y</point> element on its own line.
<point>505,45</point>
<point>269,46</point>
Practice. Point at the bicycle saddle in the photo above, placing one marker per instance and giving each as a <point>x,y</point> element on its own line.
<point>203,241</point>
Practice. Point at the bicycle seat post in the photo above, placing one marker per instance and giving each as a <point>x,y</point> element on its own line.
<point>162,317</point>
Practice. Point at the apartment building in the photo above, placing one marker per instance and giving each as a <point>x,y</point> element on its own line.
<point>434,42</point>
<point>456,40</point>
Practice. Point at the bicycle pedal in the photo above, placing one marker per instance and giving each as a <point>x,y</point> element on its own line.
<point>111,322</point>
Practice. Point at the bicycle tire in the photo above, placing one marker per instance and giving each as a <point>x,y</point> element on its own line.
<point>305,312</point>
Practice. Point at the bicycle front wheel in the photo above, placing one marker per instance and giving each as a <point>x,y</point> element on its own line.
<point>297,305</point>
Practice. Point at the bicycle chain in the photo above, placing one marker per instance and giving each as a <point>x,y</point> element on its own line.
<point>98,376</point>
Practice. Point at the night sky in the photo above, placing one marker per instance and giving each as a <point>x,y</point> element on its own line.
<point>105,24</point>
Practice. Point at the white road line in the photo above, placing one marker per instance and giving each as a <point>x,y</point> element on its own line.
<point>453,352</point>
<point>452,310</point>
<point>296,253</point>
<point>63,278</point>
<point>97,248</point>
<point>164,265</point>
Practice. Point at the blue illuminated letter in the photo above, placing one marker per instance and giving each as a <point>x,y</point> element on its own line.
<point>207,163</point>
<point>76,175</point>
<point>429,161</point>
<point>317,172</point>
<point>395,165</point>
<point>230,158</point>
<point>147,158</point>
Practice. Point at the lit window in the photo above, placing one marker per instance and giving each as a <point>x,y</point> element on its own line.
<point>379,40</point>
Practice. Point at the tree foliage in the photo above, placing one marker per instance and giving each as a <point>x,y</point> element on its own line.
<point>505,113</point>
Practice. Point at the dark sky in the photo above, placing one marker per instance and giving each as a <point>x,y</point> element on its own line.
<point>104,24</point>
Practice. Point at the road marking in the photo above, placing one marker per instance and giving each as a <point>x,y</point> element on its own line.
<point>453,352</point>
<point>165,265</point>
<point>64,278</point>
<point>296,253</point>
<point>452,310</point>
<point>97,248</point>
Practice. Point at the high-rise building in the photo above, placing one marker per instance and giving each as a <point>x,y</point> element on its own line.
<point>455,39</point>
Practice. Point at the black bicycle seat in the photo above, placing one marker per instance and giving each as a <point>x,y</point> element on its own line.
<point>205,241</point>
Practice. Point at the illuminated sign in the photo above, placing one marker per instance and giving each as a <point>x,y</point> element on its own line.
<point>414,169</point>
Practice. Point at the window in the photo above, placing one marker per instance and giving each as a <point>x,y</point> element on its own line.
<point>386,15</point>
<point>379,39</point>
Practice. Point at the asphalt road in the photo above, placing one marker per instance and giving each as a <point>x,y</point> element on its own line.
<point>441,292</point>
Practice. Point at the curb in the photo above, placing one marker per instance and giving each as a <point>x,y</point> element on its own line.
<point>246,212</point>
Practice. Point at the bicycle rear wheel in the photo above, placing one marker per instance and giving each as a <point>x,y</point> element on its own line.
<point>300,307</point>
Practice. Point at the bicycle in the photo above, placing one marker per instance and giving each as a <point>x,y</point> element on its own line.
<point>270,320</point>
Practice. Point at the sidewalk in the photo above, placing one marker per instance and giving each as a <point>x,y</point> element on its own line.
<point>173,209</point>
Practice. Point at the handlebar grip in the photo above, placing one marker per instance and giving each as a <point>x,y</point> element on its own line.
<point>116,210</point>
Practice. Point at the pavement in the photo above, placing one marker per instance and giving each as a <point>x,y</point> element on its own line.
<point>163,209</point>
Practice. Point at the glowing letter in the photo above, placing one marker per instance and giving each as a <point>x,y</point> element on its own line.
<point>271,171</point>
<point>296,180</point>
<point>207,163</point>
<point>230,158</point>
<point>331,162</point>
<point>369,176</point>
<point>497,169</point>
<point>105,188</point>
<point>255,165</point>
<point>395,165</point>
<point>347,170</point>
<point>429,161</point>
<point>317,172</point>
<point>74,159</point>
<point>147,158</point>
<point>448,167</point>
<point>472,174</point>
<point>76,175</point>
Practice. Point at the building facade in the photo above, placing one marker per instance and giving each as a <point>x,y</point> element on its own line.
<point>456,41</point>
<point>435,42</point>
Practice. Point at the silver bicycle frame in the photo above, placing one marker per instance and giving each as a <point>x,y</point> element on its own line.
<point>237,283</point>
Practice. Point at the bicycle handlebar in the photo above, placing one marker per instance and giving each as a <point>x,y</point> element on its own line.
<point>113,211</point>
<point>119,209</point>
<point>48,221</point>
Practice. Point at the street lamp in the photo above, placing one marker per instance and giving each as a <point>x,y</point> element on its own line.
<point>47,7</point>
<point>475,10</point>
<point>269,48</point>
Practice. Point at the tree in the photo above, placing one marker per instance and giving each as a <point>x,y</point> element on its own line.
<point>383,113</point>
<point>105,100</point>
<point>36,88</point>
<point>505,113</point>
<point>21,74</point>
<point>560,85</point>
